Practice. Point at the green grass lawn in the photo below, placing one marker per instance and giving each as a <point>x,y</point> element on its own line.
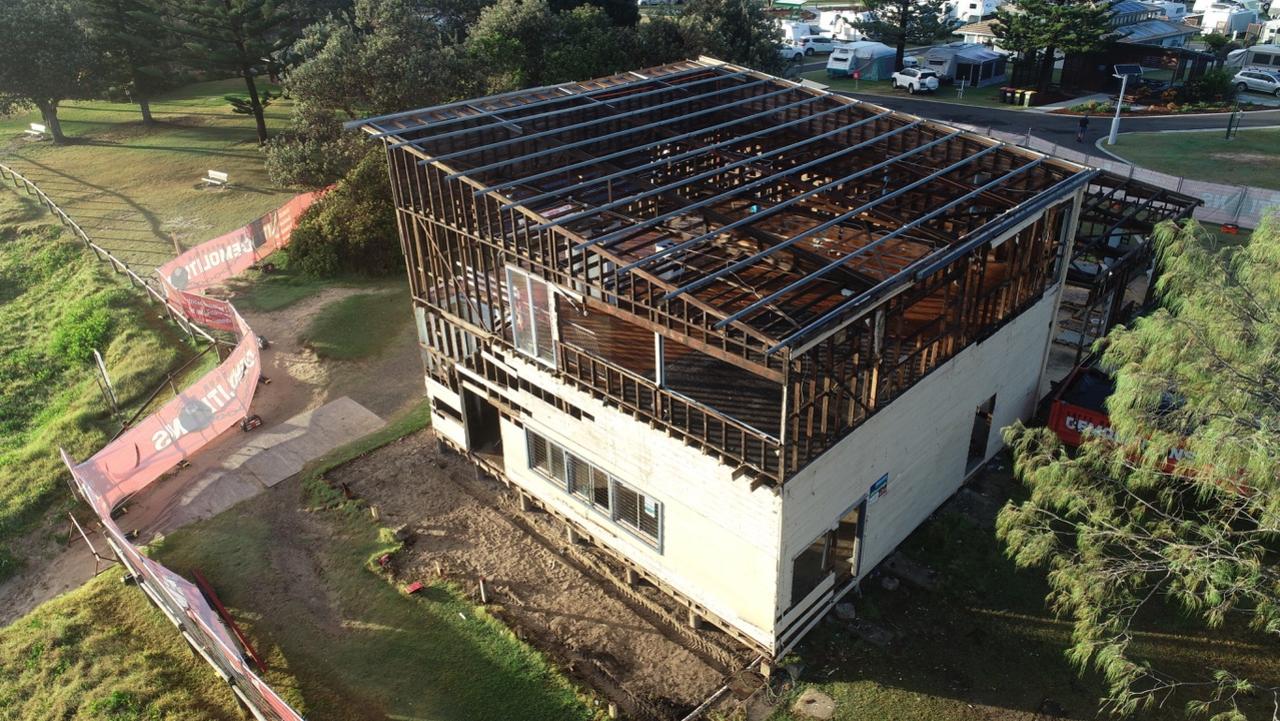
<point>136,189</point>
<point>285,285</point>
<point>358,326</point>
<point>1252,158</point>
<point>57,303</point>
<point>984,647</point>
<point>342,642</point>
<point>988,97</point>
<point>103,652</point>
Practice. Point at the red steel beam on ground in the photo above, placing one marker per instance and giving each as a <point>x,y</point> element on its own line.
<point>207,589</point>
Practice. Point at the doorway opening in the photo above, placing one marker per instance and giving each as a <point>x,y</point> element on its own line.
<point>484,433</point>
<point>846,544</point>
<point>980,436</point>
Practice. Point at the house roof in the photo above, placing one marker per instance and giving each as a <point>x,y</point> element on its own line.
<point>777,208</point>
<point>972,52</point>
<point>1128,6</point>
<point>1149,30</point>
<point>985,28</point>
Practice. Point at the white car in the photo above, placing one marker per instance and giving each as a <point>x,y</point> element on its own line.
<point>1258,80</point>
<point>915,80</point>
<point>817,44</point>
<point>643,3</point>
<point>791,53</point>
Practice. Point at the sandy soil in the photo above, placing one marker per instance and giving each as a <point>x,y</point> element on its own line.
<point>470,525</point>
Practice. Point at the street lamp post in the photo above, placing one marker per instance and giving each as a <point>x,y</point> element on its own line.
<point>1115,122</point>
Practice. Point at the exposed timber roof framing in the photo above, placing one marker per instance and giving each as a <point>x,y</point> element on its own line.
<point>777,209</point>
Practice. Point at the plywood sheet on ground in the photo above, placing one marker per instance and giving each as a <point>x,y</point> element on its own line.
<point>239,466</point>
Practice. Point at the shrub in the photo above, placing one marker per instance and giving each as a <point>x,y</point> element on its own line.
<point>314,152</point>
<point>353,228</point>
<point>1214,88</point>
<point>1094,107</point>
<point>85,325</point>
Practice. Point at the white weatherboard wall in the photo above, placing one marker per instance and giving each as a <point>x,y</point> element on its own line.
<point>921,440</point>
<point>720,538</point>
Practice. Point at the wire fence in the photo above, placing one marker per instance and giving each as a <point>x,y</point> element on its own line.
<point>154,294</point>
<point>187,606</point>
<point>1239,204</point>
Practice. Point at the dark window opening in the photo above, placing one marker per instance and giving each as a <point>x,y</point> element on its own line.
<point>484,433</point>
<point>811,567</point>
<point>980,436</point>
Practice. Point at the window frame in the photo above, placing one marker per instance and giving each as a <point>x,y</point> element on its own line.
<point>569,484</point>
<point>514,276</point>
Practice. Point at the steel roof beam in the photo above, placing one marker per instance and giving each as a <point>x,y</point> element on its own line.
<point>1014,215</point>
<point>838,262</point>
<point>750,260</point>
<point>598,121</point>
<point>790,201</point>
<point>563,87</point>
<point>675,139</point>
<point>717,171</point>
<point>674,158</point>
<point>603,138</point>
<point>537,116</point>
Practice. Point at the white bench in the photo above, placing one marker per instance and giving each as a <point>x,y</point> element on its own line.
<point>216,177</point>
<point>37,131</point>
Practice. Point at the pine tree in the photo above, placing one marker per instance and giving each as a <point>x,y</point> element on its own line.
<point>234,37</point>
<point>1041,28</point>
<point>44,59</point>
<point>738,31</point>
<point>899,22</point>
<point>1120,530</point>
<point>134,44</point>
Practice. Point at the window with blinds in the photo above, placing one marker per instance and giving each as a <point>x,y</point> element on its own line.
<point>530,301</point>
<point>637,511</point>
<point>634,511</point>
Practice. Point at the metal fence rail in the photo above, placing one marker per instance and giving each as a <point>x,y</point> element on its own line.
<point>153,294</point>
<point>249,689</point>
<point>1239,204</point>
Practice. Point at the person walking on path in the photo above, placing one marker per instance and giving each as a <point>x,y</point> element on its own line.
<point>1082,127</point>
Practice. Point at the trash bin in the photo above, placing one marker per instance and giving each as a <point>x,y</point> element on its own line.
<point>1006,94</point>
<point>1026,103</point>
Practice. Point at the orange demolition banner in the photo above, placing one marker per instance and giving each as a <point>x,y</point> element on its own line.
<point>191,420</point>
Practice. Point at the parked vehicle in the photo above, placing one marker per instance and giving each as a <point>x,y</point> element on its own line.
<point>915,80</point>
<point>791,53</point>
<point>1258,80</point>
<point>643,3</point>
<point>817,44</point>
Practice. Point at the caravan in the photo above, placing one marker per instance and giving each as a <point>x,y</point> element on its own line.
<point>870,60</point>
<point>843,24</point>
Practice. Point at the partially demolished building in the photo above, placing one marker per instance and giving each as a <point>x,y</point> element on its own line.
<point>743,333</point>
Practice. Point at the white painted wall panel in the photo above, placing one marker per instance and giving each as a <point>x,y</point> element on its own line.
<point>720,538</point>
<point>921,440</point>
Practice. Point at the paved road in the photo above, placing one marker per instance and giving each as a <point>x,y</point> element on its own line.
<point>1059,128</point>
<point>1054,128</point>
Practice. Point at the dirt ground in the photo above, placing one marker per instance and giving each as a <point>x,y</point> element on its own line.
<point>636,654</point>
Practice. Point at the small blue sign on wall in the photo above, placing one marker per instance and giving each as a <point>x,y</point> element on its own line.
<point>879,488</point>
